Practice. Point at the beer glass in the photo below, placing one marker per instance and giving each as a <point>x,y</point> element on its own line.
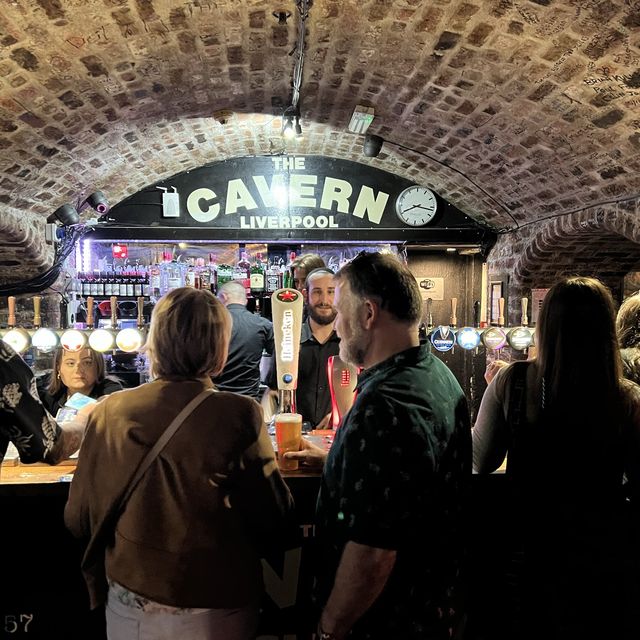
<point>288,436</point>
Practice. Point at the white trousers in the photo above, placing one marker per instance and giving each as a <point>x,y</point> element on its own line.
<point>128,623</point>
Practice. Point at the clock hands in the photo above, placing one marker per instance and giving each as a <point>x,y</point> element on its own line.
<point>415,206</point>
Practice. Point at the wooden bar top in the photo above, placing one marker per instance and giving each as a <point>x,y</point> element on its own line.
<point>36,474</point>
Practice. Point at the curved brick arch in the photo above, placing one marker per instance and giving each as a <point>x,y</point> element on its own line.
<point>602,241</point>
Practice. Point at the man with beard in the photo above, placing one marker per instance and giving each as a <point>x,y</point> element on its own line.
<point>318,341</point>
<point>389,520</point>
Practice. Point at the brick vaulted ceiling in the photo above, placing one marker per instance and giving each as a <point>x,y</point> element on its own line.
<point>527,108</point>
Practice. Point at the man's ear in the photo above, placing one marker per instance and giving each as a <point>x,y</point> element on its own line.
<point>305,295</point>
<point>222,296</point>
<point>370,313</point>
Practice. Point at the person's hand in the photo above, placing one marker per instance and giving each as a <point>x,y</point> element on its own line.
<point>88,408</point>
<point>324,423</point>
<point>493,368</point>
<point>309,454</point>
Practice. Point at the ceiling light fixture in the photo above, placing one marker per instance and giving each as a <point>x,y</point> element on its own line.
<point>372,145</point>
<point>282,16</point>
<point>291,127</point>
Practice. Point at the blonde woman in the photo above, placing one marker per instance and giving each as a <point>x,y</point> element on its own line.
<point>182,561</point>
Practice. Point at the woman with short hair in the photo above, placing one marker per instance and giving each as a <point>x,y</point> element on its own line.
<point>183,559</point>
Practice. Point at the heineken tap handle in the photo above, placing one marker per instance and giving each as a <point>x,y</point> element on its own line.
<point>453,321</point>
<point>524,317</point>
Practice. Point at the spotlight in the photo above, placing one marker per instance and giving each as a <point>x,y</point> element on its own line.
<point>288,130</point>
<point>97,201</point>
<point>372,145</point>
<point>66,215</point>
<point>282,16</point>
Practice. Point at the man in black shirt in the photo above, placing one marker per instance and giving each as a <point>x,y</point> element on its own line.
<point>250,336</point>
<point>318,341</point>
<point>391,508</point>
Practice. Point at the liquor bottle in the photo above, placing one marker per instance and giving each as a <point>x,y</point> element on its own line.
<point>108,284</point>
<point>154,279</point>
<point>190,275</point>
<point>273,278</point>
<point>146,287</point>
<point>137,285</point>
<point>225,274</point>
<point>94,284</point>
<point>130,284</point>
<point>256,278</point>
<point>101,281</point>
<point>86,285</point>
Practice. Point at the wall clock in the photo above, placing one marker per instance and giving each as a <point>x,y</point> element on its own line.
<point>416,206</point>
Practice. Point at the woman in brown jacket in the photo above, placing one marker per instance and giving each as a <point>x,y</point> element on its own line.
<point>182,561</point>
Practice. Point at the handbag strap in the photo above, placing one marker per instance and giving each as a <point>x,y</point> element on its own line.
<point>160,444</point>
<point>516,413</point>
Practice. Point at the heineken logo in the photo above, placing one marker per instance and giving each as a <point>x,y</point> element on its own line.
<point>287,295</point>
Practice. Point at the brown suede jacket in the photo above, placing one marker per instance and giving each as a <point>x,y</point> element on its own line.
<point>188,535</point>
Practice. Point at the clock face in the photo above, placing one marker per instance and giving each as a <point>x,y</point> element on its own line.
<point>416,206</point>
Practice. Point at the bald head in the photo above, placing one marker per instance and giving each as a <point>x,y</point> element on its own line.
<point>232,293</point>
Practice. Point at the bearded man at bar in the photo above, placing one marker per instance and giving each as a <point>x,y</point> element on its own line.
<point>391,504</point>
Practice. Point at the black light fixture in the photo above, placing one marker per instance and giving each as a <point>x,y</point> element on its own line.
<point>66,215</point>
<point>291,127</point>
<point>97,201</point>
<point>372,145</point>
<point>282,16</point>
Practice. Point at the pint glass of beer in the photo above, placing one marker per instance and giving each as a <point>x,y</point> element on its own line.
<point>288,435</point>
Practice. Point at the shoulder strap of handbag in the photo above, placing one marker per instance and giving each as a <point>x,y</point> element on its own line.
<point>162,441</point>
<point>516,412</point>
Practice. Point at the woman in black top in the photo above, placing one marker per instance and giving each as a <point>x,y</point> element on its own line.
<point>77,372</point>
<point>571,426</point>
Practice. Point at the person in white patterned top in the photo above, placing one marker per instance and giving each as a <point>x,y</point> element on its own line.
<point>25,422</point>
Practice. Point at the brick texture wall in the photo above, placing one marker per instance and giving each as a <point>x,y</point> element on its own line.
<point>513,110</point>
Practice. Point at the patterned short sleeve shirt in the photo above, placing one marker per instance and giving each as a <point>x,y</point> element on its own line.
<point>23,419</point>
<point>396,478</point>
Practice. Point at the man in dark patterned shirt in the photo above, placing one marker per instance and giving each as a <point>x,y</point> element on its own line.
<point>24,420</point>
<point>391,503</point>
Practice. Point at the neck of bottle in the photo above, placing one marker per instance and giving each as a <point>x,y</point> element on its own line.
<point>286,401</point>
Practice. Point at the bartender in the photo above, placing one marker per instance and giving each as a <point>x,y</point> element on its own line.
<point>318,341</point>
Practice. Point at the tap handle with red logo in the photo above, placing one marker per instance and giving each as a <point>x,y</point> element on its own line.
<point>343,378</point>
<point>286,313</point>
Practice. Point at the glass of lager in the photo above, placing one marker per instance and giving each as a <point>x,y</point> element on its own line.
<point>288,436</point>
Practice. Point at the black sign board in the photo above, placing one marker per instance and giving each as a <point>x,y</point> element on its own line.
<point>284,198</point>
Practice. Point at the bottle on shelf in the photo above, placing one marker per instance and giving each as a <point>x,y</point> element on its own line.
<point>256,278</point>
<point>272,278</point>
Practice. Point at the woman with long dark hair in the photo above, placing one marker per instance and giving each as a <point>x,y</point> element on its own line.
<point>570,424</point>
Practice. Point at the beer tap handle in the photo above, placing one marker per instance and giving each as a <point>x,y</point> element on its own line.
<point>525,317</point>
<point>37,319</point>
<point>429,315</point>
<point>11,303</point>
<point>501,312</point>
<point>140,320</point>
<point>113,303</point>
<point>89,312</point>
<point>454,318</point>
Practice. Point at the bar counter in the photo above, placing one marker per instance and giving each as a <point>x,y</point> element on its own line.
<point>43,593</point>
